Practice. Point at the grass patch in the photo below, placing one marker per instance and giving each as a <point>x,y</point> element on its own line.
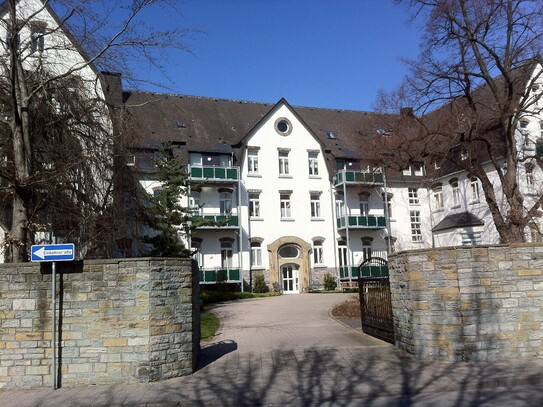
<point>209,297</point>
<point>209,325</point>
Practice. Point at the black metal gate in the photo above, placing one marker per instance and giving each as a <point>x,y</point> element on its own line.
<point>375,299</point>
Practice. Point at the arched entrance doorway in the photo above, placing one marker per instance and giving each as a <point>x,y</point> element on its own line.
<point>289,264</point>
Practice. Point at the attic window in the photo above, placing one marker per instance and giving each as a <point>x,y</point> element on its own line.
<point>283,126</point>
<point>180,124</point>
<point>330,134</point>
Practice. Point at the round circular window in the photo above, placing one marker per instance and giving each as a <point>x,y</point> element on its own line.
<point>289,252</point>
<point>283,126</point>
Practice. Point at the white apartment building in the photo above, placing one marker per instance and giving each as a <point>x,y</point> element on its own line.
<point>302,189</point>
<point>304,192</point>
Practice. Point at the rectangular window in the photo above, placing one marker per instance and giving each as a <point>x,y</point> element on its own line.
<point>194,202</point>
<point>340,207</point>
<point>455,193</point>
<point>315,206</point>
<point>318,252</point>
<point>471,239</point>
<point>529,178</point>
<point>342,254</point>
<point>418,170</point>
<point>226,255</point>
<point>364,205</point>
<point>413,196</point>
<point>283,163</point>
<point>285,206</point>
<point>195,159</point>
<point>37,35</point>
<point>474,186</point>
<point>256,254</point>
<point>254,205</point>
<point>225,203</point>
<point>313,164</point>
<point>366,249</point>
<point>252,162</point>
<point>416,232</point>
<point>438,197</point>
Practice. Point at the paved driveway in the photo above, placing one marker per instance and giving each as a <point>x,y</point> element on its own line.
<point>287,322</point>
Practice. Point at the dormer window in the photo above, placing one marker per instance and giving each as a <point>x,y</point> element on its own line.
<point>330,134</point>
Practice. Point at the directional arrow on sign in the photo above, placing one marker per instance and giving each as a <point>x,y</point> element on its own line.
<point>53,252</point>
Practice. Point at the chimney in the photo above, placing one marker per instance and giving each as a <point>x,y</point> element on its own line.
<point>113,88</point>
<point>406,111</point>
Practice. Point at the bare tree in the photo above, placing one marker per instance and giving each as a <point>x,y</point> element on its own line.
<point>478,77</point>
<point>57,136</point>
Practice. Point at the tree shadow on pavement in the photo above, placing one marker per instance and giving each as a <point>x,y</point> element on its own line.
<point>339,377</point>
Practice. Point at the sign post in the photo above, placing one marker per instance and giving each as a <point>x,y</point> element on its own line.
<point>53,253</point>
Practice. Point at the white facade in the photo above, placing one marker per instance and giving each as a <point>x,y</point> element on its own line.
<point>46,47</point>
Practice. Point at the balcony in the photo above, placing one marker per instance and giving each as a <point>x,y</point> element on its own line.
<point>216,221</point>
<point>346,272</point>
<point>359,178</point>
<point>219,275</point>
<point>368,222</point>
<point>214,174</point>
<point>350,272</point>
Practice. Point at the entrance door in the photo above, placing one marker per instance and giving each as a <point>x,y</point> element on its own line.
<point>289,277</point>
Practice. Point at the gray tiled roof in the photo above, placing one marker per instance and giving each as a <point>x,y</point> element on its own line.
<point>458,220</point>
<point>211,125</point>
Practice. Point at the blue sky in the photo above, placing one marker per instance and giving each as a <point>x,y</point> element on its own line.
<point>319,53</point>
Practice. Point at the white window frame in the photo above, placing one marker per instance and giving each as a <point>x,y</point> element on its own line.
<point>194,202</point>
<point>227,255</point>
<point>416,229</point>
<point>256,254</point>
<point>364,202</point>
<point>455,188</point>
<point>285,205</point>
<point>418,169</point>
<point>254,205</point>
<point>318,252</point>
<point>474,188</point>
<point>343,254</point>
<point>437,193</point>
<point>367,248</point>
<point>413,196</point>
<point>340,206</point>
<point>313,161</point>
<point>225,203</point>
<point>252,161</point>
<point>283,163</point>
<point>315,202</point>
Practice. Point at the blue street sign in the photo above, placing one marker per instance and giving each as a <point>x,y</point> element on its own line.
<point>52,252</point>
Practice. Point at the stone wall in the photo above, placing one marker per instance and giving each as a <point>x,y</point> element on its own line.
<point>119,321</point>
<point>472,303</point>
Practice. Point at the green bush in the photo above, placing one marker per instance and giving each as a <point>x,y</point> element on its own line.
<point>329,282</point>
<point>260,284</point>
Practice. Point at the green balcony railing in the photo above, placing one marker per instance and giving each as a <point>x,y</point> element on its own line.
<point>359,178</point>
<point>220,275</point>
<point>227,174</point>
<point>216,221</point>
<point>367,271</point>
<point>362,222</point>
<point>374,271</point>
<point>348,272</point>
